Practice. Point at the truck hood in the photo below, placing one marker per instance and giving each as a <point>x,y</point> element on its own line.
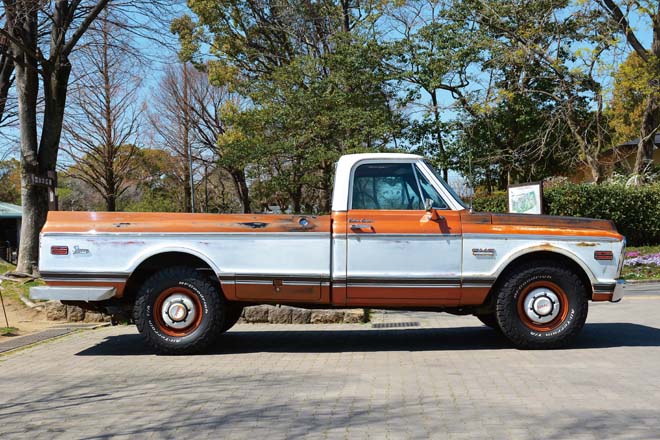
<point>553,221</point>
<point>519,222</point>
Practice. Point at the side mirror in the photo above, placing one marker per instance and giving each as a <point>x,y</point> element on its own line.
<point>432,213</point>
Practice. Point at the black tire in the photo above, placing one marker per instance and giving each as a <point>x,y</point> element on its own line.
<point>529,281</point>
<point>198,290</point>
<point>232,316</point>
<point>489,320</point>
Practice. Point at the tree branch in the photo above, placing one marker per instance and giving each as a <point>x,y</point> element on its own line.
<point>622,22</point>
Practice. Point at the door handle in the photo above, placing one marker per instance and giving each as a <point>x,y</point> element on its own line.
<point>359,227</point>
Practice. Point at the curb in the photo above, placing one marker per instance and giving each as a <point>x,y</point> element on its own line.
<point>643,282</point>
<point>49,334</point>
<point>29,303</point>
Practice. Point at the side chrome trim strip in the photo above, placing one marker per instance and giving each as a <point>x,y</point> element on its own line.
<point>301,234</point>
<point>84,275</point>
<point>83,280</point>
<point>540,237</point>
<point>404,286</point>
<point>384,235</point>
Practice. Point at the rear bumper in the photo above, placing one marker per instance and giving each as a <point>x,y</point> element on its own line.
<point>72,293</point>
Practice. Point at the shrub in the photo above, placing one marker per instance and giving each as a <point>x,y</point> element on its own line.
<point>634,210</point>
<point>496,202</point>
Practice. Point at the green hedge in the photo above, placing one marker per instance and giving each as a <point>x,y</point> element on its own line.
<point>634,210</point>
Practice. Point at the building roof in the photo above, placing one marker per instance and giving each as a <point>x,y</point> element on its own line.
<point>7,210</point>
<point>634,142</point>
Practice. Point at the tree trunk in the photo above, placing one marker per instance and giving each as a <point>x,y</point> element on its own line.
<point>238,176</point>
<point>34,199</point>
<point>589,156</point>
<point>650,122</point>
<point>327,188</point>
<point>111,203</point>
<point>438,135</point>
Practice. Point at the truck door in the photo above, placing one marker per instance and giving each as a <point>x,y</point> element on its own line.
<point>396,254</point>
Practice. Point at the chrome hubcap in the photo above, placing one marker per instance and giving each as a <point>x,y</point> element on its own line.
<point>178,311</point>
<point>542,305</point>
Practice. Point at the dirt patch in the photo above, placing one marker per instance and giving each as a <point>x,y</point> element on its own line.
<point>21,317</point>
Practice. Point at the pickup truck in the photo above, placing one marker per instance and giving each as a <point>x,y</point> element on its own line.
<point>398,237</point>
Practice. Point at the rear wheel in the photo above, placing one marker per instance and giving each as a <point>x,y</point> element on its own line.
<point>178,311</point>
<point>542,305</point>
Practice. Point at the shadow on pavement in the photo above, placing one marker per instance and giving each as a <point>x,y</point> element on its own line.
<point>597,335</point>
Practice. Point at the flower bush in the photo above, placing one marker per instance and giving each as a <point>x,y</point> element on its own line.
<point>637,259</point>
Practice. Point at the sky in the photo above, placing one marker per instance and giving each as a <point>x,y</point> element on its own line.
<point>160,56</point>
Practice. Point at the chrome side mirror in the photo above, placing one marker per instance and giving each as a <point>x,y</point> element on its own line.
<point>432,213</point>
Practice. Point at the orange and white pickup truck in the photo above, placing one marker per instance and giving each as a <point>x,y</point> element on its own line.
<point>398,237</point>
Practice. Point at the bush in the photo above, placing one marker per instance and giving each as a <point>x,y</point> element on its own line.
<point>496,202</point>
<point>634,210</point>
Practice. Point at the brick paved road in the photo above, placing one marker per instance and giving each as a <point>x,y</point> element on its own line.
<point>448,378</point>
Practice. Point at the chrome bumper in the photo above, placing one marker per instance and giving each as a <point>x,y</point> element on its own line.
<point>617,295</point>
<point>72,293</point>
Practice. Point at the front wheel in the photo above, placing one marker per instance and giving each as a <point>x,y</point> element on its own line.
<point>542,305</point>
<point>489,320</point>
<point>178,311</point>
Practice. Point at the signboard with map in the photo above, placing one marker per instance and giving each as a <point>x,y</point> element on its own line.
<point>526,198</point>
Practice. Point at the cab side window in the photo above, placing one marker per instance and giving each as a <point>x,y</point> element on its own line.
<point>386,186</point>
<point>429,192</point>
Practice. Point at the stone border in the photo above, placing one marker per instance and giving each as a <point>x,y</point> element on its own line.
<point>294,315</point>
<point>56,311</point>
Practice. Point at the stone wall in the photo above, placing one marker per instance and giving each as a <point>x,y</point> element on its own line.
<point>294,315</point>
<point>56,311</point>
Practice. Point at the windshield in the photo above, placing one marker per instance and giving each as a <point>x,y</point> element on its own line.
<point>445,184</point>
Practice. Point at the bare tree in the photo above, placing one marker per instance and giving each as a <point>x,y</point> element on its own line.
<point>42,36</point>
<point>206,104</point>
<point>67,21</point>
<point>103,121</point>
<point>173,121</point>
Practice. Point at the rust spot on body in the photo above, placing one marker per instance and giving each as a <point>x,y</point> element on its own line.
<point>254,225</point>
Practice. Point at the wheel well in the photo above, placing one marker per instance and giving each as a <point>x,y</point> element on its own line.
<point>167,259</point>
<point>540,256</point>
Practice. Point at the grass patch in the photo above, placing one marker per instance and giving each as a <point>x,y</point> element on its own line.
<point>650,271</point>
<point>6,267</point>
<point>15,289</point>
<point>8,331</point>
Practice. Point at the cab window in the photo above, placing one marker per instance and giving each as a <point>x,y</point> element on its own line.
<point>386,186</point>
<point>429,192</point>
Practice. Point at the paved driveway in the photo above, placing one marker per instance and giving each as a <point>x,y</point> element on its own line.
<point>447,378</point>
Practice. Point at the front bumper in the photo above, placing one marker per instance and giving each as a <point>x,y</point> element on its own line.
<point>617,295</point>
<point>72,293</point>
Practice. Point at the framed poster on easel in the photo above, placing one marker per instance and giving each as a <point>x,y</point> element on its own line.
<point>526,198</point>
